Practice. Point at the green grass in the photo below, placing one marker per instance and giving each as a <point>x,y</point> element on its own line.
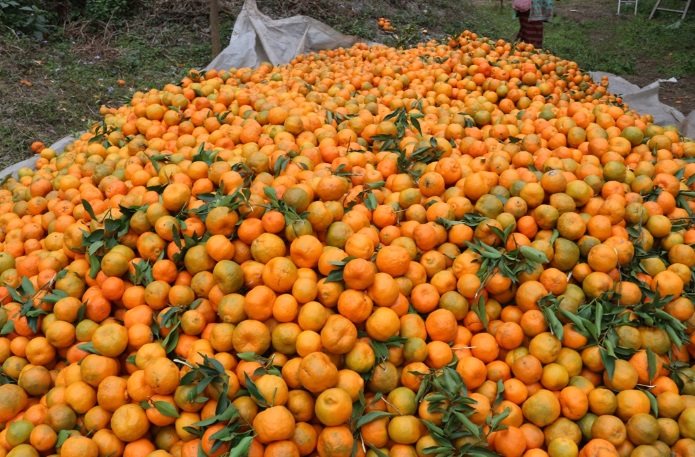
<point>567,38</point>
<point>151,50</point>
<point>617,44</point>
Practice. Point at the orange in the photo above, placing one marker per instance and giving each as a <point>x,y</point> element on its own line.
<point>162,375</point>
<point>129,422</point>
<point>359,274</point>
<point>335,441</point>
<point>79,446</point>
<point>339,334</point>
<point>251,335</point>
<point>510,442</point>
<point>541,408</point>
<point>305,251</point>
<point>274,424</point>
<point>631,402</point>
<point>333,407</point>
<point>393,260</point>
<point>317,373</point>
<point>280,274</point>
<point>382,324</point>
<point>355,305</point>
<point>273,389</point>
<point>473,371</point>
<point>404,429</point>
<point>527,368</point>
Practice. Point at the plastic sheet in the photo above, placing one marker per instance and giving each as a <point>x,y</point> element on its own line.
<point>58,146</point>
<point>257,38</point>
<point>645,100</point>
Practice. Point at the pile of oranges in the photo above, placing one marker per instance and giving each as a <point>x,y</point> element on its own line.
<point>467,248</point>
<point>385,24</point>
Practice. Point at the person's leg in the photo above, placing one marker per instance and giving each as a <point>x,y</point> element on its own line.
<point>534,33</point>
<point>523,26</point>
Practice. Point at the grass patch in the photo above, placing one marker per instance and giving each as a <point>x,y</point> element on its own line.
<point>566,38</point>
<point>622,44</point>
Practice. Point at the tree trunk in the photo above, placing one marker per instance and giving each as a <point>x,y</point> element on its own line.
<point>215,27</point>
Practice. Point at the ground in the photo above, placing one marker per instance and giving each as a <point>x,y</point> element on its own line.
<point>55,86</point>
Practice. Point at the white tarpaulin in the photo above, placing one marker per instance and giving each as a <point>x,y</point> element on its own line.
<point>58,146</point>
<point>257,38</point>
<point>645,100</point>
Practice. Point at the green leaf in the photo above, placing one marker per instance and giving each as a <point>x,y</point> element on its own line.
<point>229,412</point>
<point>533,254</point>
<point>479,309</point>
<point>81,311</point>
<point>576,320</point>
<point>370,202</point>
<point>14,294</point>
<point>194,431</point>
<point>208,421</point>
<point>652,403</point>
<point>242,448</point>
<point>88,347</point>
<point>280,165</point>
<point>94,247</point>
<point>62,436</point>
<point>372,416</point>
<point>27,286</point>
<point>500,392</point>
<point>554,236</point>
<point>467,424</point>
<point>376,184</point>
<point>254,391</point>
<point>651,364</point>
<point>610,348</point>
<point>499,233</point>
<point>433,429</point>
<point>270,193</point>
<point>166,409</point>
<point>248,356</point>
<point>335,275</point>
<point>549,307</point>
<point>188,378</point>
<point>54,296</point>
<point>479,451</point>
<point>220,437</point>
<point>675,338</point>
<point>598,320</point>
<point>89,209</point>
<point>94,266</point>
<point>172,339</point>
<point>674,375</point>
<point>608,362</point>
<point>591,328</point>
<point>498,418</point>
<point>683,204</point>
<point>7,328</point>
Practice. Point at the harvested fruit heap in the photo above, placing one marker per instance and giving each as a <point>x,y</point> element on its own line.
<point>457,249</point>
